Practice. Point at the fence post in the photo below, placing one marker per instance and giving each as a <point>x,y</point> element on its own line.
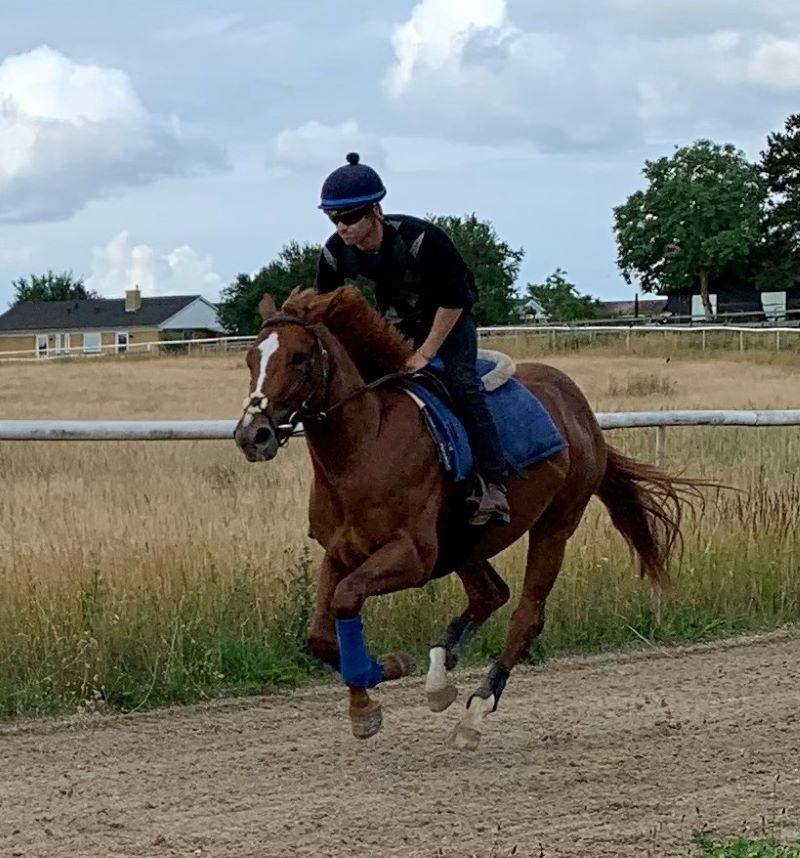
<point>704,339</point>
<point>741,341</point>
<point>777,341</point>
<point>661,444</point>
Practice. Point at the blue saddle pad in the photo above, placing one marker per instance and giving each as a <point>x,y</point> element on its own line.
<point>527,432</point>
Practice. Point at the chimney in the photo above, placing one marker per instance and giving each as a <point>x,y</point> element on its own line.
<point>133,299</point>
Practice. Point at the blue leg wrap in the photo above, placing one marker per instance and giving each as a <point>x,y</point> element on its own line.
<point>356,666</point>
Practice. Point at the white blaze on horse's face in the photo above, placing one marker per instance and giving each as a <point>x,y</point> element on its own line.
<point>267,348</point>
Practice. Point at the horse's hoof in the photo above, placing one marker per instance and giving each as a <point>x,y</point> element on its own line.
<point>440,698</point>
<point>465,738</point>
<point>368,721</point>
<point>396,665</point>
<point>467,735</point>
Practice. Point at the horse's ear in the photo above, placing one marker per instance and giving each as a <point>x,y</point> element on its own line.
<point>292,295</point>
<point>266,306</point>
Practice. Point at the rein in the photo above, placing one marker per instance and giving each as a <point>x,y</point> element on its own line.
<point>302,414</point>
<point>322,415</point>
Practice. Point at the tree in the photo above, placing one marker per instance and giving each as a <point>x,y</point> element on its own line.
<point>778,260</point>
<point>493,262</point>
<point>700,214</point>
<point>780,170</point>
<point>296,265</point>
<point>561,300</point>
<point>51,287</point>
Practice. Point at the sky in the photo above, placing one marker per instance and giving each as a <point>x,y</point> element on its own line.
<point>174,144</point>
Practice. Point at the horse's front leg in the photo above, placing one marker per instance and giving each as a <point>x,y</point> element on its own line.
<point>397,565</point>
<point>321,630</point>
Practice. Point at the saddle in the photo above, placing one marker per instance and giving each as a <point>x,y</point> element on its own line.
<point>526,431</point>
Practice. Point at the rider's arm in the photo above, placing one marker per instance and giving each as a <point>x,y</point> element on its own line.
<point>447,276</point>
<point>443,323</point>
<point>329,274</point>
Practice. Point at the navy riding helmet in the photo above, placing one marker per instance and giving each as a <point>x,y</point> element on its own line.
<point>352,186</point>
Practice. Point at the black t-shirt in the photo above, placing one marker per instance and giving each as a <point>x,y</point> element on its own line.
<point>416,270</point>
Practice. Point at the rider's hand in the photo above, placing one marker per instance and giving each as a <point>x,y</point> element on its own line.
<point>416,362</point>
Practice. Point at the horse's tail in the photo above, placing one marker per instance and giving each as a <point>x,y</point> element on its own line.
<point>646,506</point>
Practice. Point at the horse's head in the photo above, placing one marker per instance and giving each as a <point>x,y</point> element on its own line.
<point>289,376</point>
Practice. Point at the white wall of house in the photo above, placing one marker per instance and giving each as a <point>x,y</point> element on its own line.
<point>199,315</point>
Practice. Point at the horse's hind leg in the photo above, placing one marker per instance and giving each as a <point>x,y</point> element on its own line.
<point>548,541</point>
<point>486,592</point>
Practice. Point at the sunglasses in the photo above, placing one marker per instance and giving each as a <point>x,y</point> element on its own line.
<point>348,218</point>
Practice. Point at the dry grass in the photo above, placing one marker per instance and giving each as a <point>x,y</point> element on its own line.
<point>133,571</point>
<point>212,387</point>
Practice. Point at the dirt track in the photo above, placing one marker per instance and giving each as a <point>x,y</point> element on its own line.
<point>609,756</point>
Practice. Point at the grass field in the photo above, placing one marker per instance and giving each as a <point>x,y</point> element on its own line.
<point>744,847</point>
<point>134,574</point>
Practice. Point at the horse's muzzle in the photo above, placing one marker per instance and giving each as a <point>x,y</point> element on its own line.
<point>257,441</point>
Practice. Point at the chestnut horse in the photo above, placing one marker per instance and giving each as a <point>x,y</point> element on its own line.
<point>384,511</point>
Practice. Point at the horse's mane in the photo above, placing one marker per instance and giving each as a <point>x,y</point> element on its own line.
<point>375,346</point>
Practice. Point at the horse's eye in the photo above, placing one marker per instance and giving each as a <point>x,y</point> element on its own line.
<point>298,358</point>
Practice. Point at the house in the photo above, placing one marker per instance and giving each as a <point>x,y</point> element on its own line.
<point>105,325</point>
<point>530,310</point>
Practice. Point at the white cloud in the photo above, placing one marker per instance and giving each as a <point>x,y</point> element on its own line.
<point>600,74</point>
<point>121,265</point>
<point>317,145</point>
<point>436,35</point>
<point>71,132</point>
<point>776,64</point>
<point>323,147</point>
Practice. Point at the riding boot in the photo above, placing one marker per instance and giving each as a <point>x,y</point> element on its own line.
<point>492,505</point>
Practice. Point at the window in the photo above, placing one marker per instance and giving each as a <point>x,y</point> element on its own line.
<point>93,343</point>
<point>41,346</point>
<point>121,342</point>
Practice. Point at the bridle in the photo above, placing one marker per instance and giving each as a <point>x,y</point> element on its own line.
<point>258,403</point>
<point>303,413</point>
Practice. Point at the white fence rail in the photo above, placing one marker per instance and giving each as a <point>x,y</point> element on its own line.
<point>778,337</point>
<point>151,348</point>
<point>217,430</point>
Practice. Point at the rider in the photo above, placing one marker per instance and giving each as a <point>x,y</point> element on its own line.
<point>423,287</point>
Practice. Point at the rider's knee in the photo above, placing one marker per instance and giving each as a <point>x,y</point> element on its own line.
<point>464,385</point>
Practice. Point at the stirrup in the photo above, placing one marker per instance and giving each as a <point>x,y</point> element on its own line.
<point>482,516</point>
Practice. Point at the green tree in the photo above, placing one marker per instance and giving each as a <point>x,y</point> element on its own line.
<point>296,265</point>
<point>51,287</point>
<point>780,169</point>
<point>777,262</point>
<point>700,214</point>
<point>561,300</point>
<point>493,262</point>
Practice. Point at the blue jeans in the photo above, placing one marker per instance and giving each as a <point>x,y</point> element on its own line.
<point>459,353</point>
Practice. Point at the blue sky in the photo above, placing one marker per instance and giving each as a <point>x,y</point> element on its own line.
<point>174,144</point>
